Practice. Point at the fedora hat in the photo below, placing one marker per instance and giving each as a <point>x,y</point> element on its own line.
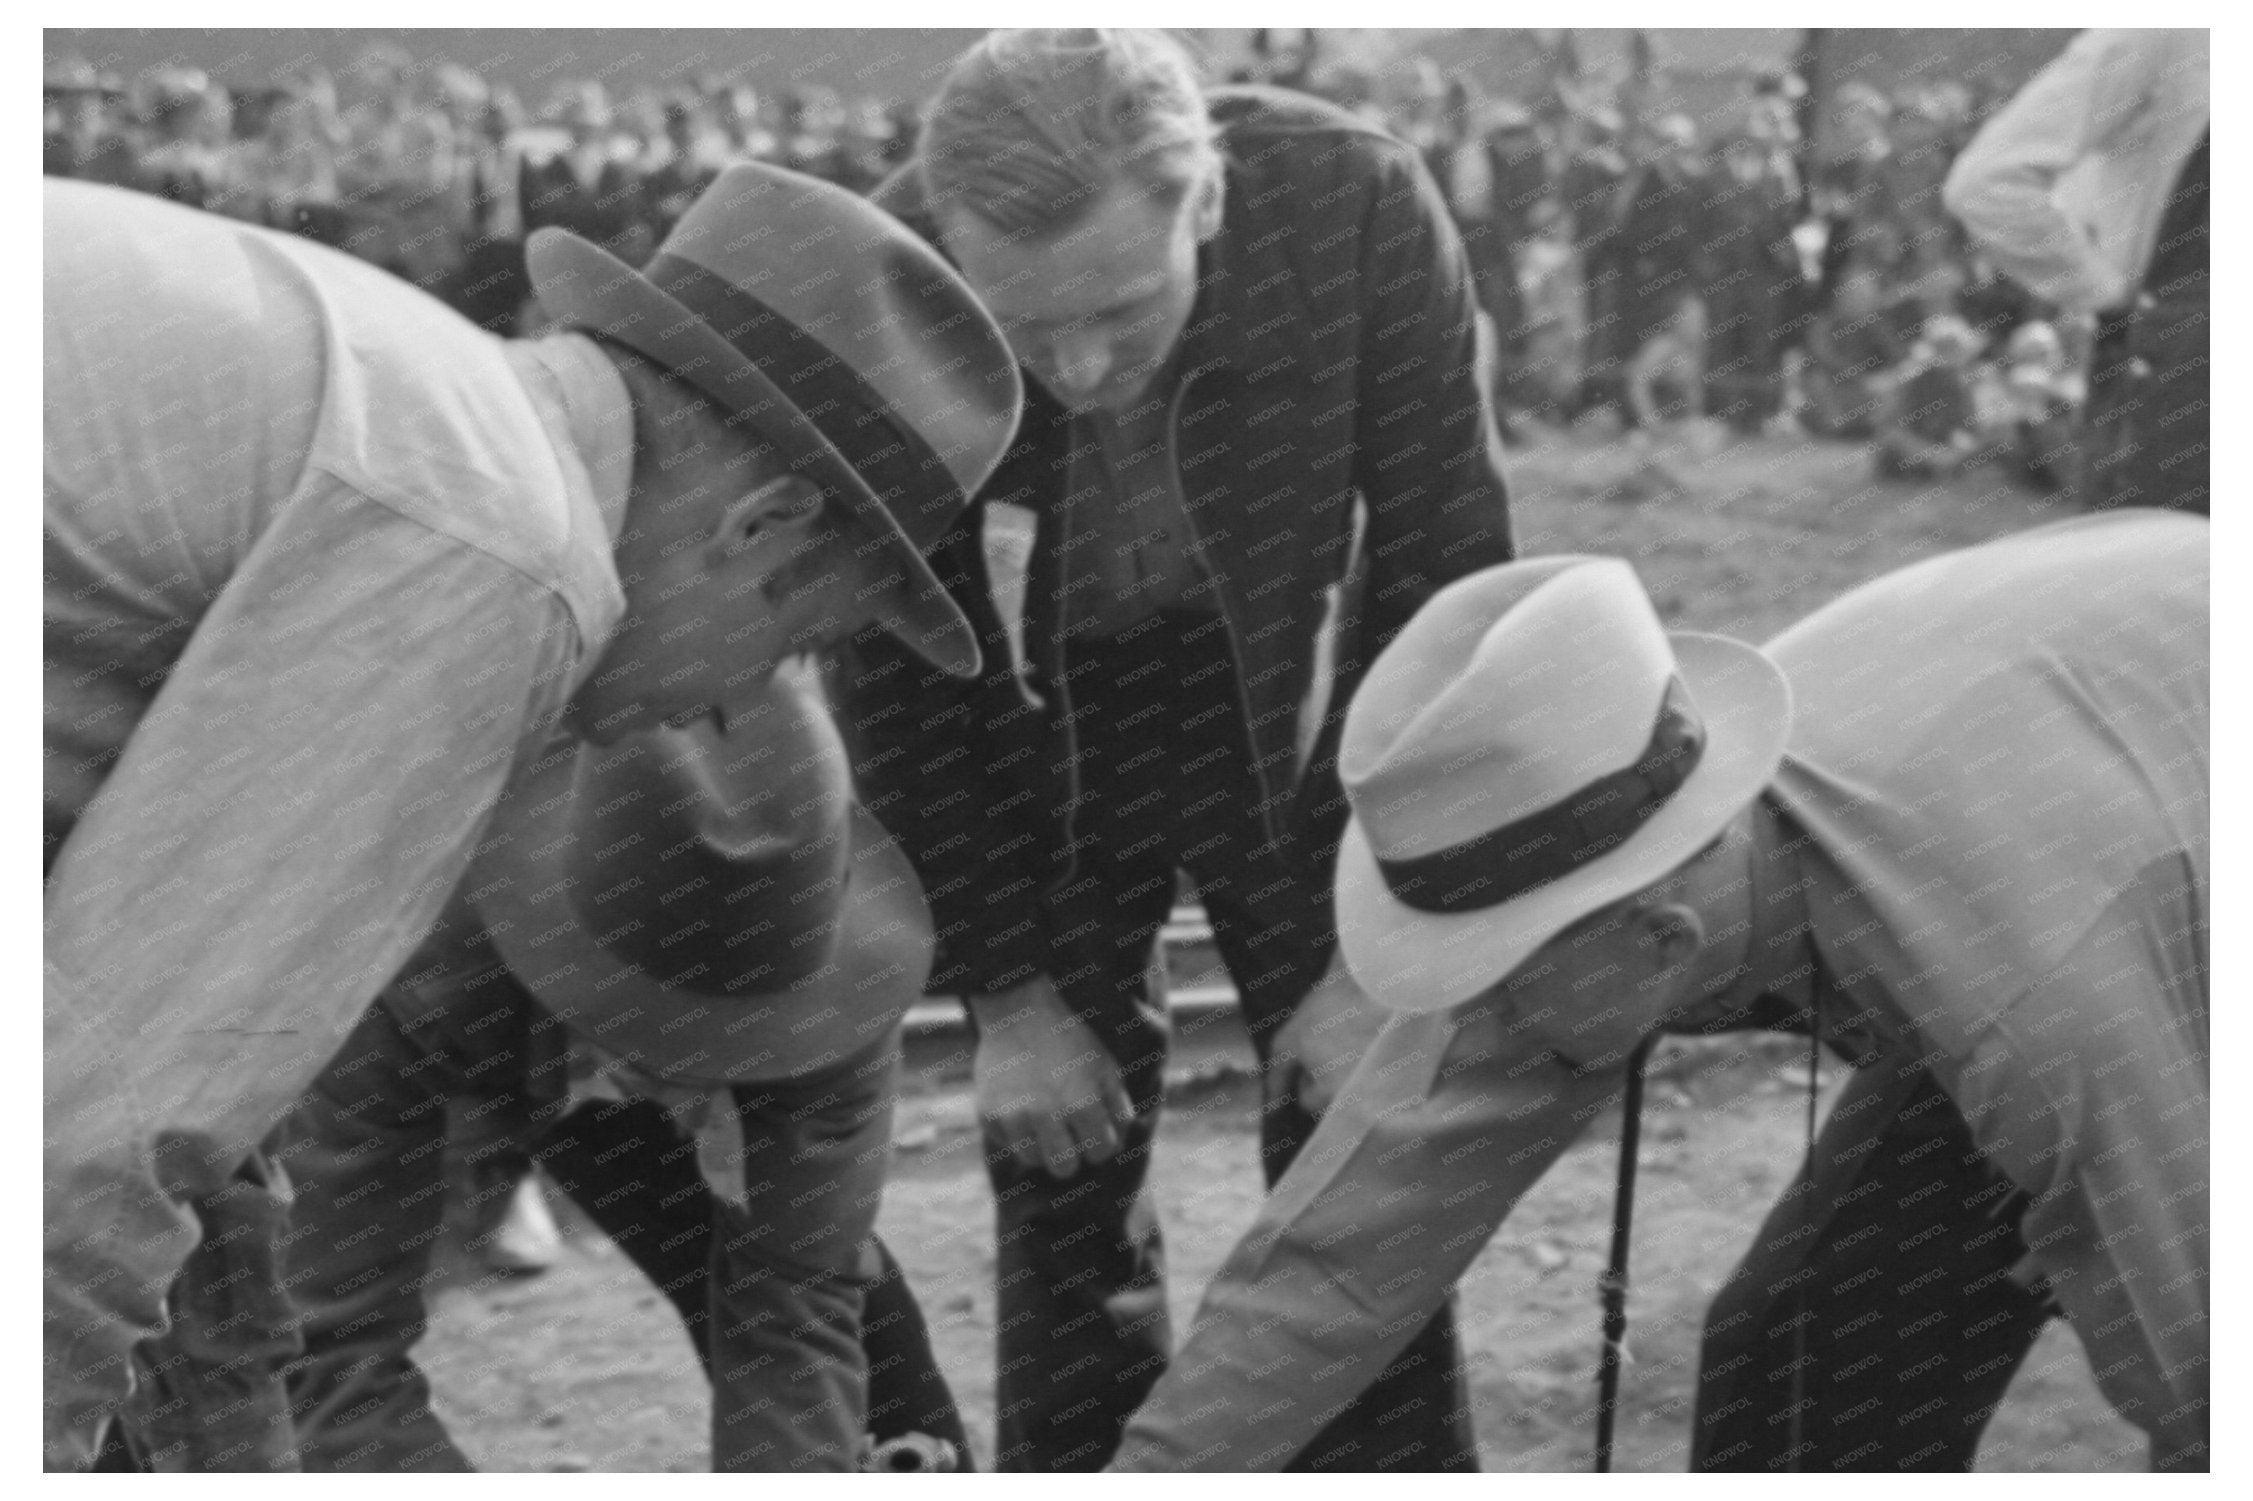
<point>1531,747</point>
<point>841,337</point>
<point>709,905</point>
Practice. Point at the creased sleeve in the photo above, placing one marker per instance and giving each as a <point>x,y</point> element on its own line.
<point>2003,186</point>
<point>290,814</point>
<point>1441,1130</point>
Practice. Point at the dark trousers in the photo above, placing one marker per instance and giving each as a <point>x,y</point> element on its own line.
<point>621,1163</point>
<point>1900,1309</point>
<point>1744,373</point>
<point>1166,784</point>
<point>2147,438</point>
<point>1491,245</point>
<point>781,1329</point>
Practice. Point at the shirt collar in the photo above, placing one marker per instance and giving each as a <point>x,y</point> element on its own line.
<point>584,403</point>
<point>1780,912</point>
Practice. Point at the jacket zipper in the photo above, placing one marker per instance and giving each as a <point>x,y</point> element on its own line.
<point>1228,626</point>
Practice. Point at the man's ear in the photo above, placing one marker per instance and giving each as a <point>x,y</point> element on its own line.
<point>1206,202</point>
<point>784,509</point>
<point>1671,934</point>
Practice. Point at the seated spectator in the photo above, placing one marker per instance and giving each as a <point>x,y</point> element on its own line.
<point>1666,375</point>
<point>1928,426</point>
<point>1994,304</point>
<point>1852,347</point>
<point>2028,407</point>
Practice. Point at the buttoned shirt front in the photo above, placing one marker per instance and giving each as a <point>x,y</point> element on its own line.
<point>1132,550</point>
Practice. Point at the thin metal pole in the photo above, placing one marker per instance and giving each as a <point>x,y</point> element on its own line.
<point>1614,1282</point>
<point>1800,1314</point>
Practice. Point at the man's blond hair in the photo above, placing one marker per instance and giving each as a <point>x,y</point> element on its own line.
<point>1032,127</point>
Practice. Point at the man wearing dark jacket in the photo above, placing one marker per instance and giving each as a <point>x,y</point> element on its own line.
<point>1256,444</point>
<point>1748,273</point>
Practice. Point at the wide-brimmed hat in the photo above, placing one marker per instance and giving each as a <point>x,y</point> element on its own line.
<point>1534,746</point>
<point>845,341</point>
<point>709,905</point>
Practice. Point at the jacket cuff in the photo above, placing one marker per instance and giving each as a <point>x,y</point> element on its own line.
<point>980,958</point>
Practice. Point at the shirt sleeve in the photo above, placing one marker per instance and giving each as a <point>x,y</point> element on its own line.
<point>2004,184</point>
<point>293,810</point>
<point>1444,1126</point>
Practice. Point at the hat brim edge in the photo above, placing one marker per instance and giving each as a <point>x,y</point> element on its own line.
<point>655,1026</point>
<point>581,285</point>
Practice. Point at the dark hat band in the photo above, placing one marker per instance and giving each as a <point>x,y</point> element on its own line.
<point>895,461</point>
<point>1529,852</point>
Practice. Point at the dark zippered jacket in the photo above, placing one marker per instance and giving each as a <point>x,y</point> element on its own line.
<point>1332,355</point>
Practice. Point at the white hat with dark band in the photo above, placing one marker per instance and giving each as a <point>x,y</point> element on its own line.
<point>1533,746</point>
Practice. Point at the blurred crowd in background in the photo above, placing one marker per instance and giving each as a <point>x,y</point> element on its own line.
<point>437,174</point>
<point>1640,267</point>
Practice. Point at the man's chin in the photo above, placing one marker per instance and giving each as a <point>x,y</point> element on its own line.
<point>1108,398</point>
<point>711,721</point>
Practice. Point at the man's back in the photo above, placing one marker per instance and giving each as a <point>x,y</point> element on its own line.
<point>1995,745</point>
<point>2002,770</point>
<point>206,380</point>
<point>181,401</point>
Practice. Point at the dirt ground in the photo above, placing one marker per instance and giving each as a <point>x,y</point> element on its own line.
<point>585,1368</point>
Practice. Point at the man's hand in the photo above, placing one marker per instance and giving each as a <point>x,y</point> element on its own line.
<point>1324,1038</point>
<point>1049,1095</point>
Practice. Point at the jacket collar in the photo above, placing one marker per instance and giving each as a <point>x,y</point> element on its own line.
<point>1205,343</point>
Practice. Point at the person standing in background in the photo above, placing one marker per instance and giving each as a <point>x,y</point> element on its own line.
<point>2089,188</point>
<point>1756,298</point>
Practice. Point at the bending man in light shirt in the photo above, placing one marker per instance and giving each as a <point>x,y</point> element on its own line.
<point>1956,819</point>
<point>324,562</point>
